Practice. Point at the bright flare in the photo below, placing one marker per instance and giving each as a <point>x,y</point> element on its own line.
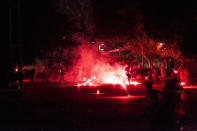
<point>182,83</point>
<point>98,92</point>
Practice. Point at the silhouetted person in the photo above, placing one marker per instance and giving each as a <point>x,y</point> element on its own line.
<point>183,71</point>
<point>165,118</point>
<point>12,76</point>
<point>171,95</point>
<point>154,72</point>
<point>62,76</point>
<point>170,67</point>
<point>153,96</point>
<point>163,71</point>
<point>20,79</point>
<point>17,78</point>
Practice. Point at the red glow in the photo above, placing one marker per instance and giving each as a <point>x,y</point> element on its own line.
<point>16,69</point>
<point>135,83</point>
<point>160,45</point>
<point>26,80</point>
<point>175,71</point>
<point>182,83</point>
<point>111,80</point>
<point>124,97</point>
<point>98,92</point>
<point>63,37</point>
<point>190,87</point>
<point>93,69</point>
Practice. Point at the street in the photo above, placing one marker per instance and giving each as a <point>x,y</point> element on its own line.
<point>84,108</point>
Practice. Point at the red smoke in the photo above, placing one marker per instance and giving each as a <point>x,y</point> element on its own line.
<point>92,68</point>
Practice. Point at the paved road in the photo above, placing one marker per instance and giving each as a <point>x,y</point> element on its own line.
<point>45,107</point>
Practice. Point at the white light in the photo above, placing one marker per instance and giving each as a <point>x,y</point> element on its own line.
<point>175,71</point>
<point>161,44</point>
<point>182,83</point>
<point>100,47</point>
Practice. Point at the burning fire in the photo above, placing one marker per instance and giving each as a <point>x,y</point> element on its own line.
<point>90,82</point>
<point>109,75</point>
<point>93,68</point>
<point>135,83</point>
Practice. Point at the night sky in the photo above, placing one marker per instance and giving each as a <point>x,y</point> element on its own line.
<point>43,24</point>
<point>168,17</point>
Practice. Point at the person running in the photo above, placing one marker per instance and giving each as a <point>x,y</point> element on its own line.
<point>152,96</point>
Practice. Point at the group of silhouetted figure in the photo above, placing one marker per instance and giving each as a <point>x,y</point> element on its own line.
<point>160,72</point>
<point>16,75</point>
<point>162,102</point>
<point>161,109</point>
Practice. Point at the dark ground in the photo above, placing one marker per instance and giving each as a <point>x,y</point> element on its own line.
<point>47,108</point>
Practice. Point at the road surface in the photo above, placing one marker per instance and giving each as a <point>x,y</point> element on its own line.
<point>55,107</point>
